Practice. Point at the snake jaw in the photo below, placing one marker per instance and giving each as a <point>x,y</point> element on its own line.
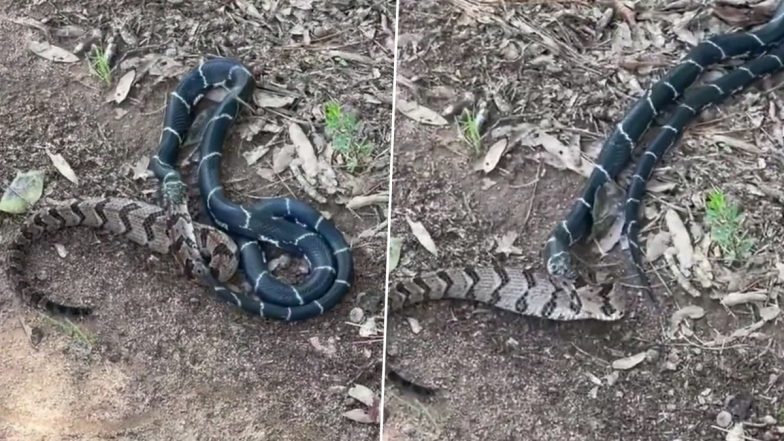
<point>559,262</point>
<point>560,265</point>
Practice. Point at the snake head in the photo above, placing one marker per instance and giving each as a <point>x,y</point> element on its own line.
<point>558,260</point>
<point>173,190</point>
<point>607,206</point>
<point>560,265</point>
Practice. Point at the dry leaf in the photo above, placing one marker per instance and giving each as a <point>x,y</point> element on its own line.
<point>328,349</point>
<point>624,11</point>
<point>769,313</point>
<point>304,150</point>
<point>282,158</point>
<point>359,416</point>
<point>416,328</point>
<point>680,240</point>
<point>736,433</point>
<point>506,244</point>
<point>737,143</point>
<point>327,178</point>
<point>493,155</point>
<point>419,113</point>
<point>356,202</point>
<point>692,312</point>
<point>272,101</point>
<point>124,86</point>
<point>254,155</point>
<point>266,173</point>
<point>62,166</point>
<point>249,9</point>
<point>559,155</point>
<point>611,236</point>
<point>52,53</point>
<point>368,328</point>
<point>656,245</point>
<point>61,251</point>
<point>141,169</point>
<point>350,56</point>
<point>669,256</point>
<point>423,236</point>
<point>739,298</point>
<point>395,247</point>
<point>23,193</point>
<point>362,394</point>
<point>629,362</point>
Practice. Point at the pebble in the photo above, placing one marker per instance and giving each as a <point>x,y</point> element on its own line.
<point>724,419</point>
<point>769,420</point>
<point>356,315</point>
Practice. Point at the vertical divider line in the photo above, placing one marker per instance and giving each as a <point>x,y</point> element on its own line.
<point>389,224</point>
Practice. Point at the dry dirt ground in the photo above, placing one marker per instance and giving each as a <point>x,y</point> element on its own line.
<point>161,359</point>
<point>506,377</point>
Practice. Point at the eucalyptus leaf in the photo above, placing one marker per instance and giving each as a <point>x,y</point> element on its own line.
<point>25,190</point>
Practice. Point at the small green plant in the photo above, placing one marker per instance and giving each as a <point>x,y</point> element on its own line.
<point>99,64</point>
<point>469,128</point>
<point>343,129</point>
<point>70,329</point>
<point>725,220</point>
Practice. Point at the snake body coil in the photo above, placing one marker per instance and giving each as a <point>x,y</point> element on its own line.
<point>282,222</point>
<point>617,149</point>
<point>204,251</point>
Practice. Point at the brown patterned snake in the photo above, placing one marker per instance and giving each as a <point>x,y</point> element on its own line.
<point>513,289</point>
<point>140,222</point>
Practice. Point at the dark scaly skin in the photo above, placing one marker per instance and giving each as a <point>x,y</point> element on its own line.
<point>694,101</point>
<point>285,223</point>
<point>617,149</point>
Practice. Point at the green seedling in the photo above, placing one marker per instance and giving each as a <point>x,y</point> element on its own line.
<point>343,130</point>
<point>724,219</point>
<point>70,329</point>
<point>99,64</point>
<point>469,129</point>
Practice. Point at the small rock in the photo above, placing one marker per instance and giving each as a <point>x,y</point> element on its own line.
<point>724,419</point>
<point>769,420</point>
<point>356,315</point>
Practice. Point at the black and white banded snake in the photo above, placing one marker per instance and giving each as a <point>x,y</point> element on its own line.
<point>285,223</point>
<point>616,152</point>
<point>203,251</point>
